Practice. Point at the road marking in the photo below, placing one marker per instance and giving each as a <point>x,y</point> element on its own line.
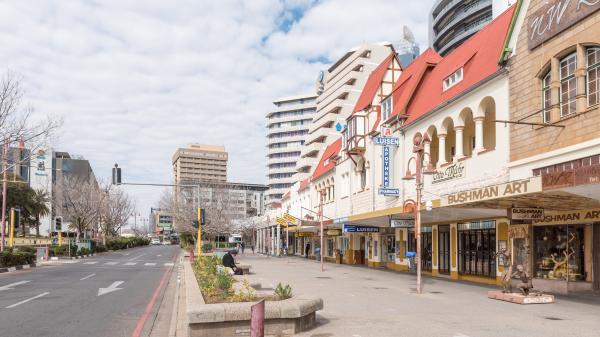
<point>10,286</point>
<point>150,264</point>
<point>458,334</point>
<point>168,264</point>
<point>159,255</point>
<point>129,263</point>
<point>110,288</point>
<point>92,262</point>
<point>87,277</point>
<point>111,263</point>
<point>137,257</point>
<point>27,300</point>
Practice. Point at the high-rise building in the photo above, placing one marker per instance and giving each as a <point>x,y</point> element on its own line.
<point>339,88</point>
<point>287,127</point>
<point>451,22</point>
<point>200,162</point>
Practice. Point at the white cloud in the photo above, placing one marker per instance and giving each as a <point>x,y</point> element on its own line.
<point>136,79</point>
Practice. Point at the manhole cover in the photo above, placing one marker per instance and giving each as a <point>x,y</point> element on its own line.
<point>553,318</point>
<point>380,288</point>
<point>324,277</point>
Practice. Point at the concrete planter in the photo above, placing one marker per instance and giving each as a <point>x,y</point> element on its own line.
<point>282,318</point>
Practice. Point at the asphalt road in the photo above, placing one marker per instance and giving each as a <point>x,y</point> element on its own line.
<point>106,295</point>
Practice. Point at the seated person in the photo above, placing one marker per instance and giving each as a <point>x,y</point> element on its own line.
<point>228,261</point>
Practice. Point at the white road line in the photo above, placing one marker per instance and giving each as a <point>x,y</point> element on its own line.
<point>137,257</point>
<point>87,277</point>
<point>27,300</point>
<point>111,263</point>
<point>91,262</point>
<point>129,263</point>
<point>158,255</point>
<point>10,286</point>
<point>168,264</point>
<point>149,264</point>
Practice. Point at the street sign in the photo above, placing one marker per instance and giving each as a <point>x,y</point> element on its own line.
<point>402,223</point>
<point>522,213</point>
<point>389,191</point>
<point>386,166</point>
<point>386,141</point>
<point>360,229</point>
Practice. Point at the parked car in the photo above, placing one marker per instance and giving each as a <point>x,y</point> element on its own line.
<point>155,242</point>
<point>166,242</point>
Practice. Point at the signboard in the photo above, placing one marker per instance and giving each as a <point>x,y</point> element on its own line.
<point>389,191</point>
<point>333,232</point>
<point>402,223</point>
<point>555,17</point>
<point>454,171</point>
<point>304,234</point>
<point>386,141</point>
<point>521,213</point>
<point>386,166</point>
<point>360,229</point>
<point>340,220</point>
<point>290,219</point>
<point>280,221</point>
<point>573,217</point>
<point>582,175</point>
<point>386,131</point>
<point>513,188</point>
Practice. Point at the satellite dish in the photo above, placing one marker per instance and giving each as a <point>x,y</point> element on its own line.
<point>408,34</point>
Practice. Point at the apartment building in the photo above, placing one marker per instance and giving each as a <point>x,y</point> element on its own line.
<point>200,162</point>
<point>287,127</point>
<point>341,85</point>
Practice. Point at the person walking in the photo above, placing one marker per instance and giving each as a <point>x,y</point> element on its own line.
<point>252,247</point>
<point>307,249</point>
<point>243,245</point>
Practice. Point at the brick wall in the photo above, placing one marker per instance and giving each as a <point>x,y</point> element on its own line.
<point>525,70</point>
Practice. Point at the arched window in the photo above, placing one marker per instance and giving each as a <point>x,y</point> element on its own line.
<point>568,85</point>
<point>593,75</point>
<point>546,98</point>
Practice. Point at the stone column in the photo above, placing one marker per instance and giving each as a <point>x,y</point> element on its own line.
<point>458,147</point>
<point>427,148</point>
<point>555,89</point>
<point>442,149</point>
<point>479,134</point>
<point>278,240</point>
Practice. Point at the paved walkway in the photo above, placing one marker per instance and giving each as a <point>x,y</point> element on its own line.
<point>362,302</point>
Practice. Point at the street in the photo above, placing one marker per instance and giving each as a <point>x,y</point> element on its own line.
<point>106,295</point>
<point>366,302</point>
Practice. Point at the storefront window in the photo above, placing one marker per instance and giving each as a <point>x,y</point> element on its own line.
<point>329,247</point>
<point>426,249</point>
<point>568,85</point>
<point>593,75</point>
<point>412,241</point>
<point>477,248</point>
<point>559,252</point>
<point>546,98</point>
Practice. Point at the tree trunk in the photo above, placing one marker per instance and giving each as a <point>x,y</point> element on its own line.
<point>37,226</point>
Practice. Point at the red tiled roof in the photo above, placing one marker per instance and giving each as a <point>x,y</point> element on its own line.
<point>373,82</point>
<point>304,184</point>
<point>286,195</point>
<point>420,87</point>
<point>325,164</point>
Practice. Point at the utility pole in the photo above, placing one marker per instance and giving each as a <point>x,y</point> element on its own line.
<point>4,191</point>
<point>321,215</point>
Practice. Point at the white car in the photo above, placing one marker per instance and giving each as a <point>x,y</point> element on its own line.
<point>166,242</point>
<point>155,242</point>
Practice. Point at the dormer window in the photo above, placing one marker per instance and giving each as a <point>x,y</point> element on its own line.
<point>386,108</point>
<point>453,79</point>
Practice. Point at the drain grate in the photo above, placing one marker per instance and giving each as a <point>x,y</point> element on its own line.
<point>324,277</point>
<point>553,318</point>
<point>380,288</point>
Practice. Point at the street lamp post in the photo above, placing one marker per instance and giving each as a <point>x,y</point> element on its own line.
<point>419,151</point>
<point>322,195</point>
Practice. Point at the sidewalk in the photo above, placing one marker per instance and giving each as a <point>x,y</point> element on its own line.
<point>365,302</point>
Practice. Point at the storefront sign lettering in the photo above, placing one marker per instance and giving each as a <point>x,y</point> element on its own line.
<point>512,188</point>
<point>451,172</point>
<point>304,234</point>
<point>527,213</point>
<point>402,223</point>
<point>570,217</point>
<point>360,229</point>
<point>388,140</point>
<point>557,16</point>
<point>333,232</point>
<point>389,191</point>
<point>386,166</point>
<point>582,175</point>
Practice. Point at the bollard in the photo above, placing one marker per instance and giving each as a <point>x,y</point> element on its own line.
<point>257,319</point>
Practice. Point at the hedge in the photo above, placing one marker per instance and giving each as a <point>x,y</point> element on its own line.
<point>8,259</point>
<point>124,243</point>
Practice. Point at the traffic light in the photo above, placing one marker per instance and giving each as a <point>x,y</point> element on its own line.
<point>17,214</point>
<point>58,224</point>
<point>116,175</point>
<point>202,216</point>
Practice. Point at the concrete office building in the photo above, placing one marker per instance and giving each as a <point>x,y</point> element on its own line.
<point>339,88</point>
<point>200,162</point>
<point>451,22</point>
<point>287,127</point>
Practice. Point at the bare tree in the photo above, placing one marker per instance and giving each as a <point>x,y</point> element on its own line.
<point>115,209</point>
<point>80,201</point>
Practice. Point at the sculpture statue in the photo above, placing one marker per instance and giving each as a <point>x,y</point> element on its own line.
<point>507,273</point>
<point>525,285</point>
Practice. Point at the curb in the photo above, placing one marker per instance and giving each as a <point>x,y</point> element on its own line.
<point>15,268</point>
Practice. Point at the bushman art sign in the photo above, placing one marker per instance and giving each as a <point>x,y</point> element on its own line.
<point>574,217</point>
<point>512,188</point>
<point>557,16</point>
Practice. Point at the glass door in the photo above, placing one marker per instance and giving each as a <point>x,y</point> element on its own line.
<point>444,249</point>
<point>426,250</point>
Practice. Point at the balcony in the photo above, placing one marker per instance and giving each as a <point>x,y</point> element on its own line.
<point>290,148</point>
<point>305,164</point>
<point>320,135</point>
<point>459,17</point>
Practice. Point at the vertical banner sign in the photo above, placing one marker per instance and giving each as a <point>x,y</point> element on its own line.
<point>386,166</point>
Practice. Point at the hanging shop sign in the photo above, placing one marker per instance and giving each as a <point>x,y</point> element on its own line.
<point>334,232</point>
<point>386,141</point>
<point>389,191</point>
<point>360,229</point>
<point>454,171</point>
<point>402,223</point>
<point>555,17</point>
<point>387,165</point>
<point>573,217</point>
<point>280,221</point>
<point>521,213</point>
<point>340,220</point>
<point>513,188</point>
<point>290,219</point>
<point>304,234</point>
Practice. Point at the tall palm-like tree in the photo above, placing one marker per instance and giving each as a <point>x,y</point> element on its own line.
<point>38,208</point>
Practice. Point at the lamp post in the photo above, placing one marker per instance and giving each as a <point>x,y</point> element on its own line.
<point>321,195</point>
<point>419,151</point>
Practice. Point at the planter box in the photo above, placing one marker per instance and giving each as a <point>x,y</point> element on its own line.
<point>282,318</point>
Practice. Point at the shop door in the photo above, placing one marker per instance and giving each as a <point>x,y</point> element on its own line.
<point>444,249</point>
<point>596,259</point>
<point>426,251</point>
<point>362,253</point>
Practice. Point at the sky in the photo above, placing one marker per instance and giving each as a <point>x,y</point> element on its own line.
<point>134,80</point>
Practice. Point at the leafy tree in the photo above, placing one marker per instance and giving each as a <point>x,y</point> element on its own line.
<point>38,208</point>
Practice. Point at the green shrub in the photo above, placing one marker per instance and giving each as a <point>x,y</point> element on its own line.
<point>186,240</point>
<point>124,243</point>
<point>8,259</point>
<point>245,294</point>
<point>207,247</point>
<point>99,249</point>
<point>63,250</point>
<point>283,292</point>
<point>84,251</point>
<point>28,249</point>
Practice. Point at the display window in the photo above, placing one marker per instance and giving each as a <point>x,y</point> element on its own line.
<point>390,247</point>
<point>477,248</point>
<point>559,252</point>
<point>329,247</point>
<point>426,249</point>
